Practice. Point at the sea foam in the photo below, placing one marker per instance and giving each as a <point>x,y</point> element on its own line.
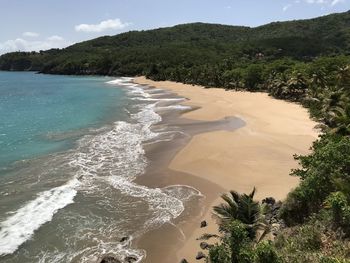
<point>115,156</point>
<point>19,227</point>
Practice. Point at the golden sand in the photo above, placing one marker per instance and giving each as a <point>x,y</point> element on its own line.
<point>260,154</point>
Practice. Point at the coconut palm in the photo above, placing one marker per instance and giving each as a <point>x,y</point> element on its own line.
<point>341,120</point>
<point>297,86</point>
<point>278,87</point>
<point>343,78</point>
<point>329,101</point>
<point>317,83</point>
<point>240,207</point>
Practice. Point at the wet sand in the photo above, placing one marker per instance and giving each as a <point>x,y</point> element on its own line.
<point>218,157</point>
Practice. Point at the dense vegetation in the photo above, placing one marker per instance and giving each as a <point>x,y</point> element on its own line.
<point>192,53</point>
<point>317,213</point>
<point>306,61</point>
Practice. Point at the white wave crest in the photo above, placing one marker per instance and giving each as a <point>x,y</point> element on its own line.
<point>174,107</point>
<point>160,99</point>
<point>120,81</point>
<point>182,192</point>
<point>166,206</point>
<point>20,227</point>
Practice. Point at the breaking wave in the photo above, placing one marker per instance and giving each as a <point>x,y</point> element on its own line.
<point>115,156</point>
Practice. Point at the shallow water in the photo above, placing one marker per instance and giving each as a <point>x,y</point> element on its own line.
<point>70,151</point>
<point>40,113</point>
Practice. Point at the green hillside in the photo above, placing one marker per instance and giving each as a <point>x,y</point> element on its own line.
<point>195,45</point>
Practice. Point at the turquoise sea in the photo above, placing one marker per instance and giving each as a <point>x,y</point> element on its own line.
<point>36,109</point>
<point>70,151</point>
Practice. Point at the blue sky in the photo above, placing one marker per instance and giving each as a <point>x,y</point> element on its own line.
<point>43,24</point>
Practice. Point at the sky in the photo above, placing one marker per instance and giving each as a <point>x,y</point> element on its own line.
<point>33,25</point>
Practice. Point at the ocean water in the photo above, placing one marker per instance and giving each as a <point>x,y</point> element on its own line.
<point>70,150</point>
<point>36,108</point>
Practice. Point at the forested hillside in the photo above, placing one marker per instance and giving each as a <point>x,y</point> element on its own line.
<point>193,49</point>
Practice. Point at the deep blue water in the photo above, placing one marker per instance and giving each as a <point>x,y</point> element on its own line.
<point>40,114</point>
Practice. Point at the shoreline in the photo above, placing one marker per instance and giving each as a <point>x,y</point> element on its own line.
<point>258,154</point>
<point>158,175</point>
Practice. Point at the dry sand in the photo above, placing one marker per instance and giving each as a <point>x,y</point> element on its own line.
<point>260,154</point>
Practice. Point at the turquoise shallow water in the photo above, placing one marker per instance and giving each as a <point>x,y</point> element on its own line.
<point>41,114</point>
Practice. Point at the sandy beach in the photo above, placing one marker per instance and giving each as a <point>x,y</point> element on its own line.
<point>259,154</point>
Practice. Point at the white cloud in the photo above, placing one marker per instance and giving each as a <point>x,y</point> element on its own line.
<point>20,44</point>
<point>325,2</point>
<point>55,38</point>
<point>334,2</point>
<point>30,34</point>
<point>102,26</point>
<point>316,1</point>
<point>286,7</point>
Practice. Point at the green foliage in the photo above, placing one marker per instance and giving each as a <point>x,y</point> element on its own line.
<point>325,170</point>
<point>197,52</point>
<point>240,207</point>
<point>333,260</point>
<point>237,247</point>
<point>219,254</point>
<point>339,204</point>
<point>266,253</point>
<point>313,241</point>
<point>307,237</point>
<point>310,238</point>
<point>237,239</point>
<point>252,76</point>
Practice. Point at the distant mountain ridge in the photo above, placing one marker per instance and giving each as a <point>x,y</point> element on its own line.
<point>187,45</point>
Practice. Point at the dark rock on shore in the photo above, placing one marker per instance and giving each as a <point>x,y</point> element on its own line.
<point>204,223</point>
<point>110,259</point>
<point>123,239</point>
<point>271,216</point>
<point>269,201</point>
<point>204,245</point>
<point>183,261</point>
<point>130,259</point>
<point>206,236</point>
<point>200,255</point>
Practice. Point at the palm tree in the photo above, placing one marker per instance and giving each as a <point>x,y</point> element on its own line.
<point>317,83</point>
<point>277,86</point>
<point>240,207</point>
<point>330,100</point>
<point>341,120</point>
<point>297,86</point>
<point>343,78</point>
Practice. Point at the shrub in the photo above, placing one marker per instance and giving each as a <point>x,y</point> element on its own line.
<point>295,207</point>
<point>338,202</point>
<point>310,238</point>
<point>237,239</point>
<point>235,246</point>
<point>219,254</point>
<point>266,253</point>
<point>324,171</point>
